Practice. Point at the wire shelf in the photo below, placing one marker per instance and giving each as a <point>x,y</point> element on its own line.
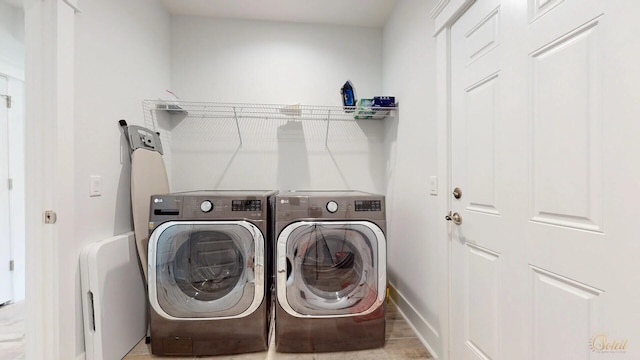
<point>239,111</point>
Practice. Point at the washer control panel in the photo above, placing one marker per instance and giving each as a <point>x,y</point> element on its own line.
<point>368,205</point>
<point>246,205</point>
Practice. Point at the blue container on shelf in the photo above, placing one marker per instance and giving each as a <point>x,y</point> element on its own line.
<point>384,101</point>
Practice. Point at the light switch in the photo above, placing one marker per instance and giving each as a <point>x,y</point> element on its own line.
<point>433,185</point>
<point>95,186</point>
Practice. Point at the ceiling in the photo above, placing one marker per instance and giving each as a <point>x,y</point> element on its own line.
<point>371,13</point>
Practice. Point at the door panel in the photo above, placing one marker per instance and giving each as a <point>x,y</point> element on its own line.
<point>543,128</point>
<point>483,37</point>
<point>559,300</point>
<point>5,231</point>
<point>483,301</point>
<point>481,102</point>
<point>566,150</point>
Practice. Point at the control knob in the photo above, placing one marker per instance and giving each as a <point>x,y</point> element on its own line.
<point>206,206</point>
<point>332,206</point>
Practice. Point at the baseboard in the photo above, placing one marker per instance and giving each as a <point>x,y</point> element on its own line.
<point>423,329</point>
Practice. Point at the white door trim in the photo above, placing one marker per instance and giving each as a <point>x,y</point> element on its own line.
<point>49,35</point>
<point>445,14</point>
<point>41,337</point>
<point>6,274</point>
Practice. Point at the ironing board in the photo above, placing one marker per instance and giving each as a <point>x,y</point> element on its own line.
<point>148,177</point>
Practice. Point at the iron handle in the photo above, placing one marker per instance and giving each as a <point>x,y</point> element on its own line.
<point>455,217</point>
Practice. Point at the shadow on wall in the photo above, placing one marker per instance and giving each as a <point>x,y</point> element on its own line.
<point>340,172</point>
<point>378,156</point>
<point>357,150</point>
<point>287,154</point>
<point>293,159</point>
<point>390,142</point>
<point>226,168</point>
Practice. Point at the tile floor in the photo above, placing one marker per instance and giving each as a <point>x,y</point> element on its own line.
<point>12,331</point>
<point>401,343</point>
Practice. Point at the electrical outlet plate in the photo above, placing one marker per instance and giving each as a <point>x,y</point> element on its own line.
<point>433,185</point>
<point>95,186</point>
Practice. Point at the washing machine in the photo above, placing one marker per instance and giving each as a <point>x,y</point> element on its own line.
<point>210,273</point>
<point>330,271</point>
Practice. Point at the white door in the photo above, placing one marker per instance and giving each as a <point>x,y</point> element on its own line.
<point>544,148</point>
<point>5,234</point>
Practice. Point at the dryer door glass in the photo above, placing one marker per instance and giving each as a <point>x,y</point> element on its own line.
<point>333,269</point>
<point>205,270</point>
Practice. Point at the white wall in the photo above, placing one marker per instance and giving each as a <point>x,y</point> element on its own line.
<point>416,256</point>
<point>121,58</point>
<point>11,41</point>
<point>225,60</point>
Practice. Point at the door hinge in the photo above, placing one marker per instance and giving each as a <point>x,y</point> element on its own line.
<point>10,184</point>
<point>7,98</point>
<point>50,217</point>
<point>11,265</point>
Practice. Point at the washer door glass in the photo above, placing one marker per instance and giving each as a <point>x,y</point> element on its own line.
<point>332,269</point>
<point>205,270</point>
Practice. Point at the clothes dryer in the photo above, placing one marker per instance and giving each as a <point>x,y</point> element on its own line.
<point>209,272</point>
<point>331,271</point>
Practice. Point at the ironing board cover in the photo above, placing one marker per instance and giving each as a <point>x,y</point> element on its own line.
<point>148,177</point>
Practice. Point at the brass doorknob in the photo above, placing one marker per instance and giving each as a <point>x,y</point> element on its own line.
<point>455,217</point>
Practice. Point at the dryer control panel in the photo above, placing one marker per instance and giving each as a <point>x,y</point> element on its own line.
<point>330,205</point>
<point>246,205</point>
<point>368,205</point>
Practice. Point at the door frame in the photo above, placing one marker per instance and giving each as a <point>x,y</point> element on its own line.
<point>445,14</point>
<point>7,240</point>
<point>49,121</point>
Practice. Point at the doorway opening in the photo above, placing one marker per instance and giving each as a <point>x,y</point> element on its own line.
<point>12,180</point>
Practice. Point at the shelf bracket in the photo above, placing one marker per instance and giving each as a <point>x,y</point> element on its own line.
<point>235,116</point>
